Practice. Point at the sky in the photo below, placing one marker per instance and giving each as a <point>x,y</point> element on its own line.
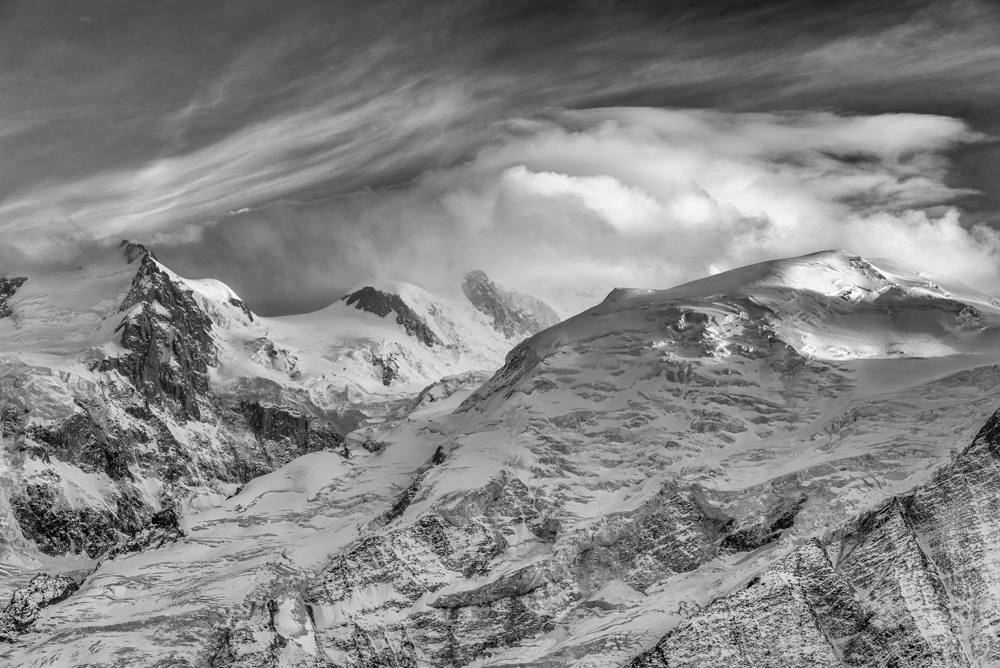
<point>296,149</point>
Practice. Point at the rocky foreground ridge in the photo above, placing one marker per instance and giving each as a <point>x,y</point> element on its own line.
<point>911,584</point>
<point>767,467</point>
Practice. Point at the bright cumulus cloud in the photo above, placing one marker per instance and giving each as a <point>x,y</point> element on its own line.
<point>681,192</point>
<point>584,201</point>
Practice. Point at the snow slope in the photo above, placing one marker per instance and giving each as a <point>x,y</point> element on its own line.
<point>623,469</point>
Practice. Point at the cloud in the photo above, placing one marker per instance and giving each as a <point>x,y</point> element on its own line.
<point>140,138</point>
<point>584,201</point>
<point>260,163</point>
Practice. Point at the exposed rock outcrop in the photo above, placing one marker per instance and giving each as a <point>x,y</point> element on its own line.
<point>8,286</point>
<point>785,617</point>
<point>388,367</point>
<point>383,303</point>
<point>242,305</point>
<point>294,432</point>
<point>27,602</point>
<point>163,529</point>
<point>768,529</point>
<point>47,518</point>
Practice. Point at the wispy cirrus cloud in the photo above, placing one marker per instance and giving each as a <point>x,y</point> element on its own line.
<point>260,163</point>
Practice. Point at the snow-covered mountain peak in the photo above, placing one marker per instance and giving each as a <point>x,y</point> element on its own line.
<point>833,273</point>
<point>828,305</point>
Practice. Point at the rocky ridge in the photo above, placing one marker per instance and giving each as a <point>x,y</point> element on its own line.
<point>27,602</point>
<point>383,303</point>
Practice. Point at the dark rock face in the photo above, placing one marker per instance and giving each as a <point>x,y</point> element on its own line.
<point>389,367</point>
<point>167,335</point>
<point>8,286</point>
<point>141,443</point>
<point>279,424</point>
<point>241,646</point>
<point>163,529</point>
<point>371,445</point>
<point>12,421</point>
<point>96,445</point>
<point>242,305</point>
<point>274,423</point>
<point>404,500</point>
<point>58,528</point>
<point>914,584</point>
<point>82,440</point>
<point>383,303</point>
<point>27,602</point>
<point>767,530</point>
<point>515,315</point>
<point>144,444</point>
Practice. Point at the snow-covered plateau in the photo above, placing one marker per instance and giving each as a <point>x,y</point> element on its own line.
<point>781,465</point>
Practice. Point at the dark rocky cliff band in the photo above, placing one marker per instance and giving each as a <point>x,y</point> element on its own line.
<point>383,303</point>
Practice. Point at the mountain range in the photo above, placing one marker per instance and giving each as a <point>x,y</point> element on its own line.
<point>781,465</point>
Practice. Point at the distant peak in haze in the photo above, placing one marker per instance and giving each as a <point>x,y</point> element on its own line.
<point>514,314</point>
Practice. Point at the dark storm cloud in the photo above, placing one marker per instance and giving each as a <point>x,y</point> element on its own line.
<point>150,120</point>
